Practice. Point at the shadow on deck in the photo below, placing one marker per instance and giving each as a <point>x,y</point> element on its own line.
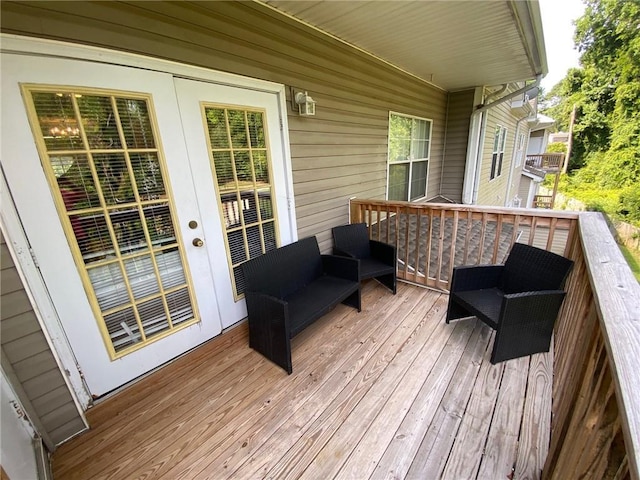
<point>391,392</point>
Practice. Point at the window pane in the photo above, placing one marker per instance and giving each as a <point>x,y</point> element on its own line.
<point>496,139</point>
<point>253,239</point>
<point>57,119</point>
<point>108,283</point>
<point>238,129</point>
<point>99,122</point>
<point>170,268</point>
<point>129,231</point>
<point>180,308</point>
<point>123,329</point>
<point>136,124</point>
<point>418,180</point>
<point>114,178</point>
<point>75,182</point>
<point>153,317</point>
<point>264,200</point>
<point>141,276</point>
<point>249,207</point>
<point>256,129</point>
<point>93,237</point>
<point>261,167</point>
<point>148,176</point>
<point>399,138</point>
<point>159,224</point>
<point>217,126</point>
<point>236,247</point>
<point>224,171</point>
<point>243,168</point>
<point>399,182</point>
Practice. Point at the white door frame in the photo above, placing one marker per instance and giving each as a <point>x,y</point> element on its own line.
<point>38,295</point>
<point>56,49</point>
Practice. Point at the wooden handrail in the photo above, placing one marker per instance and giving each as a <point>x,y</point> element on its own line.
<point>595,430</point>
<point>596,392</point>
<point>433,238</point>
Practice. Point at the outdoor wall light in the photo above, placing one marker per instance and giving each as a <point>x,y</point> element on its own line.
<point>306,104</point>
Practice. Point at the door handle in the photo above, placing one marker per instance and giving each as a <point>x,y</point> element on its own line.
<point>197,242</point>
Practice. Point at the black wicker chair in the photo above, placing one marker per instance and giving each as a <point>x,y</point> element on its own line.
<point>520,299</point>
<point>377,259</point>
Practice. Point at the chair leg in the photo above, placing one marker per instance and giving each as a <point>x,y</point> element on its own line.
<point>388,281</point>
<point>455,311</point>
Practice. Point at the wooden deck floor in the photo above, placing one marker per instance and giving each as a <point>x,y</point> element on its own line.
<point>391,392</point>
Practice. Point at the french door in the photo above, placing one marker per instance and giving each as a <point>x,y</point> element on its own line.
<point>137,211</point>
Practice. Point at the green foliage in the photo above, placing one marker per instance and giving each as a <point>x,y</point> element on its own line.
<point>605,92</point>
<point>557,147</point>
<point>633,259</point>
<point>629,205</point>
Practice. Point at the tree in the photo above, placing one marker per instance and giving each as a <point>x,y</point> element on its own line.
<point>606,94</point>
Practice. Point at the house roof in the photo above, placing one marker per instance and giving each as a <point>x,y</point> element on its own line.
<point>541,122</point>
<point>452,44</point>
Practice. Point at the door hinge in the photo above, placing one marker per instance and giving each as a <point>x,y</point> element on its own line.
<point>281,124</point>
<point>34,258</point>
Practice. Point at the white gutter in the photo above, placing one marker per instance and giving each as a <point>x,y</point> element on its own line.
<point>474,150</point>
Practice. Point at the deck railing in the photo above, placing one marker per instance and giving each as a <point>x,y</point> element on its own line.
<point>548,162</point>
<point>543,201</point>
<point>595,425</point>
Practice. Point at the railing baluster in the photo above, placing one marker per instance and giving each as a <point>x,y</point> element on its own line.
<point>496,246</point>
<point>467,238</point>
<point>417,244</point>
<point>452,252</point>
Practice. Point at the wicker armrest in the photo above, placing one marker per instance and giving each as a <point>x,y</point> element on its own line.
<point>342,267</point>
<point>383,252</point>
<point>476,277</point>
<point>342,253</point>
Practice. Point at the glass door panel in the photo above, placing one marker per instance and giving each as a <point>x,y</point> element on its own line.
<point>101,157</point>
<point>239,155</point>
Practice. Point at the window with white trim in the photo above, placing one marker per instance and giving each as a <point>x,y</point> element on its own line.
<point>408,161</point>
<point>499,142</point>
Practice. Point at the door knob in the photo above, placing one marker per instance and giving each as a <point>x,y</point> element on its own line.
<point>197,242</point>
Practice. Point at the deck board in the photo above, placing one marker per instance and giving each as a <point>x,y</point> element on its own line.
<point>390,392</point>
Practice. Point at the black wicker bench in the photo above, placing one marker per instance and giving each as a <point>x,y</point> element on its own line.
<point>289,288</point>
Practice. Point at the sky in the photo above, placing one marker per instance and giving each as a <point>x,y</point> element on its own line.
<point>557,18</point>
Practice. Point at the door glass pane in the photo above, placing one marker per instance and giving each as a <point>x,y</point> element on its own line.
<point>399,182</point>
<point>101,159</point>
<point>241,164</point>
<point>418,180</point>
<point>98,121</point>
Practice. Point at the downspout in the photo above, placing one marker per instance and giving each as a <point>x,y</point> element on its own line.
<point>474,151</point>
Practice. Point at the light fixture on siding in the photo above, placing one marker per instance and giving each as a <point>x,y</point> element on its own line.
<point>306,104</point>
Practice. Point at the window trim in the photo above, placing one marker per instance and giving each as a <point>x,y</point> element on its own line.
<point>410,162</point>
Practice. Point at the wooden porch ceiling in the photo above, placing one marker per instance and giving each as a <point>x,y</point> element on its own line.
<point>391,392</point>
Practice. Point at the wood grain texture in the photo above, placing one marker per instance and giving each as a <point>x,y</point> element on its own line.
<point>596,420</point>
<point>371,397</point>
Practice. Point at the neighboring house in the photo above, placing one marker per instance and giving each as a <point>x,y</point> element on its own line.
<point>531,177</point>
<point>149,148</point>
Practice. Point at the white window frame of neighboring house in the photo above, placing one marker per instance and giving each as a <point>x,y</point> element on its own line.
<point>410,160</point>
<point>497,155</point>
<point>520,149</point>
